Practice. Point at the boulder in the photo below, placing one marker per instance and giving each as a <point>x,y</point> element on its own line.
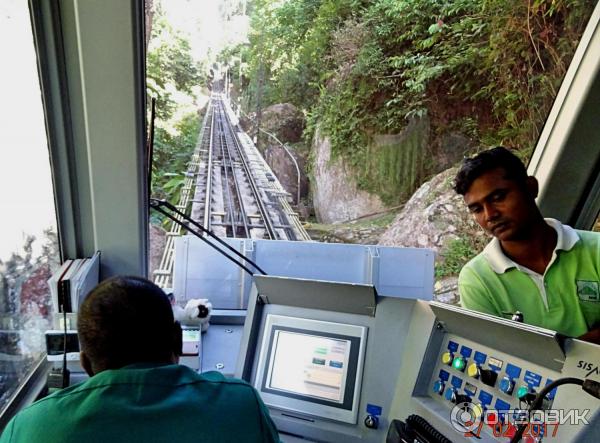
<point>285,123</point>
<point>336,197</point>
<point>433,218</point>
<point>158,240</point>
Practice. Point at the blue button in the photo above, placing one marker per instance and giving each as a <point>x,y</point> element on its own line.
<point>466,352</point>
<point>438,387</point>
<point>444,375</point>
<point>507,385</point>
<point>513,371</point>
<point>374,409</point>
<point>456,382</point>
<point>485,397</point>
<point>501,406</point>
<point>552,393</point>
<point>452,346</point>
<point>532,379</point>
<point>480,358</point>
<point>449,394</point>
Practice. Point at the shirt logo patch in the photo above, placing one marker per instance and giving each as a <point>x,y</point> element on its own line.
<point>588,290</point>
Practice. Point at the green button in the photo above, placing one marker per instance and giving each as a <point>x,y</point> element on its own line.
<point>522,391</point>
<point>459,363</point>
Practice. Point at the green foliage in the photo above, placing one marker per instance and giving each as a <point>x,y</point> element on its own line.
<point>457,253</point>
<point>487,68</point>
<point>169,66</point>
<point>290,48</point>
<point>172,75</point>
<point>171,155</point>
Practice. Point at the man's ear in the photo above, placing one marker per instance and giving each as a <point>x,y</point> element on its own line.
<point>532,186</point>
<point>86,363</point>
<point>177,339</point>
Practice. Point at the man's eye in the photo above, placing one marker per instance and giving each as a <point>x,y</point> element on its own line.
<point>498,196</point>
<point>475,209</point>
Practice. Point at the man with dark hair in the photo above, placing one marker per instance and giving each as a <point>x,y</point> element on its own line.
<point>546,270</point>
<point>130,346</point>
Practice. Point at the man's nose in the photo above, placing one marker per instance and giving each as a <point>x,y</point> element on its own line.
<point>490,212</point>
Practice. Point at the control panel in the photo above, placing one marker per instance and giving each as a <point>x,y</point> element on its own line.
<point>468,376</point>
<point>480,379</point>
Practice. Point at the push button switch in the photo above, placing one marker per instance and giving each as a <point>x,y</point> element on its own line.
<point>459,363</point>
<point>507,385</point>
<point>447,358</point>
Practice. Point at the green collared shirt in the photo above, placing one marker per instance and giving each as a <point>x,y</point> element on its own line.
<point>566,298</point>
<point>147,403</point>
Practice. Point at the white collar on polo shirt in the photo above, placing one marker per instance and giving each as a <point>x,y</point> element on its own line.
<point>500,263</point>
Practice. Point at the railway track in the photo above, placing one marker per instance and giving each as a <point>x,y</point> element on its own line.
<point>231,189</point>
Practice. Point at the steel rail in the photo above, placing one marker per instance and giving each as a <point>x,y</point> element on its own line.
<point>227,138</point>
<point>299,232</point>
<point>163,275</point>
<point>209,172</point>
<point>224,172</point>
<point>253,187</point>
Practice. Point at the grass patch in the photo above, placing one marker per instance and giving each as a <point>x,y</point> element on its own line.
<point>456,255</point>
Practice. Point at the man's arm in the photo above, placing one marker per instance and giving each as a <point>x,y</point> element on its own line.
<point>6,436</point>
<point>593,335</point>
<point>269,431</point>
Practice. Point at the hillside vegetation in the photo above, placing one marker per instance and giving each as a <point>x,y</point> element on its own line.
<point>486,69</point>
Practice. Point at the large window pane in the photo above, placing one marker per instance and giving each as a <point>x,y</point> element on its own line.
<point>28,240</point>
<point>372,99</point>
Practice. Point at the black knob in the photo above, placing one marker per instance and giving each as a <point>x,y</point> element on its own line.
<point>461,398</point>
<point>371,421</point>
<point>488,377</point>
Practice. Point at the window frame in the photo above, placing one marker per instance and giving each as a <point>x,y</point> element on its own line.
<point>566,160</point>
<point>94,104</point>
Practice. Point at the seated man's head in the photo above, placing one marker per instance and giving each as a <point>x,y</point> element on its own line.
<point>499,194</point>
<point>127,320</point>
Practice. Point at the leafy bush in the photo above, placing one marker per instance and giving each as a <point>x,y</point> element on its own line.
<point>489,69</point>
<point>456,255</point>
<point>171,155</point>
<point>172,75</point>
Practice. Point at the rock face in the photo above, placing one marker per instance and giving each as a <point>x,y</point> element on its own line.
<point>284,168</point>
<point>336,197</point>
<point>347,233</point>
<point>286,123</point>
<point>158,240</point>
<point>433,217</point>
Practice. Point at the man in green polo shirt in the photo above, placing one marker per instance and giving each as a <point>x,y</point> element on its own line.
<point>137,393</point>
<point>546,270</point>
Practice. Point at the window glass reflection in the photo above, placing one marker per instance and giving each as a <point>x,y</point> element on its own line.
<point>28,239</point>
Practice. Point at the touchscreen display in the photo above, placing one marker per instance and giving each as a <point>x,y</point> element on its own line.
<point>309,365</point>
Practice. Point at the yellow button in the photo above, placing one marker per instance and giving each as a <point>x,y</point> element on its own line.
<point>477,410</point>
<point>473,370</point>
<point>446,358</point>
